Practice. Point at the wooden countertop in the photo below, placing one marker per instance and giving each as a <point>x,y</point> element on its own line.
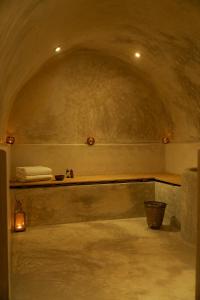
<point>173,179</point>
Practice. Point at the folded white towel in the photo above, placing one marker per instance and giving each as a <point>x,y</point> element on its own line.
<point>33,171</point>
<point>34,178</point>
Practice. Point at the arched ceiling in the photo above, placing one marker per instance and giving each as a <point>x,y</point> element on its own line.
<point>88,93</point>
<point>166,33</point>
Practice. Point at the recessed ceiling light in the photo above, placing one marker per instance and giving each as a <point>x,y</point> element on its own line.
<point>137,54</point>
<point>57,49</point>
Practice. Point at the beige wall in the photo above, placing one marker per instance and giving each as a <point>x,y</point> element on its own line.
<point>169,50</point>
<point>143,98</point>
<point>88,93</point>
<point>83,203</point>
<point>5,221</point>
<point>107,159</point>
<point>97,87</point>
<point>86,160</point>
<point>180,156</point>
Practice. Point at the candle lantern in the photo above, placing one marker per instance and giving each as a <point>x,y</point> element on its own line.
<point>19,218</point>
<point>10,140</point>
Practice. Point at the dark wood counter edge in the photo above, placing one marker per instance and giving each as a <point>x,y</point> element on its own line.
<point>89,182</point>
<point>167,182</point>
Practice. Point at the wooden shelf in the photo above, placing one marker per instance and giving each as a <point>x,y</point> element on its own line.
<point>173,179</point>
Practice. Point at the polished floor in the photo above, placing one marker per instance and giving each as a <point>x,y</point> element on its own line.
<point>104,260</point>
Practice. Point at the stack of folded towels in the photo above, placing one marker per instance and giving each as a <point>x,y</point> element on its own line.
<point>33,173</point>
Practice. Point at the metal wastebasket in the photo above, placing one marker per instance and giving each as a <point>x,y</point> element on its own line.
<point>155,211</point>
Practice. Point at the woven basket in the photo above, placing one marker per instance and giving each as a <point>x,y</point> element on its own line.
<point>155,211</point>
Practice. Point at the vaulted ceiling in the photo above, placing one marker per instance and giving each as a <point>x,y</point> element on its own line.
<point>166,34</point>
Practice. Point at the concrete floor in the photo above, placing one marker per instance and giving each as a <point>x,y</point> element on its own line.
<point>105,260</point>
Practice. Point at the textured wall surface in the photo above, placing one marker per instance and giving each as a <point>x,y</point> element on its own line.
<point>60,205</point>
<point>4,225</point>
<point>97,86</point>
<point>86,94</point>
<point>181,156</point>
<point>137,99</point>
<point>57,205</point>
<point>189,205</point>
<point>169,60</point>
<point>85,160</point>
<point>172,196</point>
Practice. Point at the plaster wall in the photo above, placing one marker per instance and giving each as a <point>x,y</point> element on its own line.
<point>83,203</point>
<point>169,50</point>
<point>97,202</point>
<point>172,196</point>
<point>107,158</point>
<point>180,156</point>
<point>87,93</point>
<point>166,80</point>
<point>189,205</point>
<point>97,87</point>
<point>86,160</point>
<point>5,223</point>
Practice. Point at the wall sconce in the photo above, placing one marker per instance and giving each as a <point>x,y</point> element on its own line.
<point>167,136</point>
<point>19,218</point>
<point>10,140</point>
<point>90,141</point>
<point>165,140</point>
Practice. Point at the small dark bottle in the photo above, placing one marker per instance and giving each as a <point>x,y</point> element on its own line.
<point>67,173</point>
<point>71,172</point>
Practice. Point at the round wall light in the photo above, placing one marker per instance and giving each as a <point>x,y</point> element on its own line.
<point>90,141</point>
<point>10,140</point>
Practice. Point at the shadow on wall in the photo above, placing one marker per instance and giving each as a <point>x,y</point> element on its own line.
<point>88,93</point>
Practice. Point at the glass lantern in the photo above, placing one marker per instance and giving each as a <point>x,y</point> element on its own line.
<point>19,218</point>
